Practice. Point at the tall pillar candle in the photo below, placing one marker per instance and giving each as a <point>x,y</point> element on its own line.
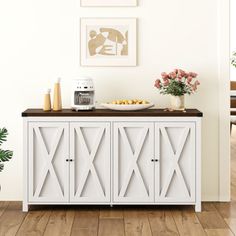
<point>57,104</point>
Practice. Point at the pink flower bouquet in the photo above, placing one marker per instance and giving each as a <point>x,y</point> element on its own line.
<point>177,83</point>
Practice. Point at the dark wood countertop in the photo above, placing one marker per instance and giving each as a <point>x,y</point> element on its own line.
<point>110,113</point>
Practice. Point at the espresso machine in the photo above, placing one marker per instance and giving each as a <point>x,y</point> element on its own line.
<point>83,94</point>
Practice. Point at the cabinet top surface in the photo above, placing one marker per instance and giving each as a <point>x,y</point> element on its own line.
<point>110,113</point>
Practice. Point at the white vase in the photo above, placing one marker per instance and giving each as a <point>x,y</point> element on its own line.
<point>177,102</point>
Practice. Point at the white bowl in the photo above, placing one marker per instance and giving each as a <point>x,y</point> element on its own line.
<point>134,107</point>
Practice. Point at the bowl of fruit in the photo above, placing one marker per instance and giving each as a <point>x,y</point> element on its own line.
<point>128,105</point>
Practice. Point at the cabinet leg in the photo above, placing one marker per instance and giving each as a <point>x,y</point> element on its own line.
<point>111,205</point>
<point>25,207</point>
<point>198,207</point>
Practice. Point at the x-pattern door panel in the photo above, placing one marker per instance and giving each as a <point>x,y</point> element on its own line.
<point>133,169</point>
<point>90,168</point>
<point>175,171</point>
<point>48,169</point>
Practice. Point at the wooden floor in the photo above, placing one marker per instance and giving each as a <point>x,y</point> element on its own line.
<point>215,219</point>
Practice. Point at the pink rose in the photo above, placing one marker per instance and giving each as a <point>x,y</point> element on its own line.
<point>164,75</point>
<point>194,87</point>
<point>182,73</point>
<point>189,79</point>
<point>196,83</point>
<point>166,82</point>
<point>172,75</point>
<point>176,71</point>
<point>193,74</point>
<point>157,83</point>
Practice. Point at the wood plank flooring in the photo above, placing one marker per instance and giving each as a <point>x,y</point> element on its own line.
<point>216,219</point>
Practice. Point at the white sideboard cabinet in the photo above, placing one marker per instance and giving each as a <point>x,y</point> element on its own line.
<point>149,157</point>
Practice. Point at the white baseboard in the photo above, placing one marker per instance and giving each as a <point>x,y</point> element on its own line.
<point>216,199</point>
<point>210,199</point>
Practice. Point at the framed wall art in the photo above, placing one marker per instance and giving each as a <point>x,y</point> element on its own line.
<point>108,41</point>
<point>108,3</point>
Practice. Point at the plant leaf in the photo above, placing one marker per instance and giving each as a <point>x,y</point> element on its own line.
<point>233,59</point>
<point>3,135</point>
<point>1,167</point>
<point>5,155</point>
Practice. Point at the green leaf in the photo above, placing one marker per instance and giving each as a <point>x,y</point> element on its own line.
<point>175,88</point>
<point>233,60</point>
<point>5,155</point>
<point>3,135</point>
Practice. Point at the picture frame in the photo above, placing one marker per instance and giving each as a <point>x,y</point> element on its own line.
<point>108,41</point>
<point>108,3</point>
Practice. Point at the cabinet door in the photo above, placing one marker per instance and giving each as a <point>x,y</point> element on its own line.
<point>133,168</point>
<point>48,169</point>
<point>90,169</point>
<point>175,170</point>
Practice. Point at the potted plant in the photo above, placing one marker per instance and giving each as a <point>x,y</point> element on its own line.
<point>233,60</point>
<point>177,83</point>
<point>5,155</point>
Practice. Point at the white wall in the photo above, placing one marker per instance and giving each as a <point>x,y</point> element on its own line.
<point>232,36</point>
<point>39,41</point>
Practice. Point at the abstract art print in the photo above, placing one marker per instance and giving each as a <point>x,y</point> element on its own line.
<point>108,42</point>
<point>108,3</point>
